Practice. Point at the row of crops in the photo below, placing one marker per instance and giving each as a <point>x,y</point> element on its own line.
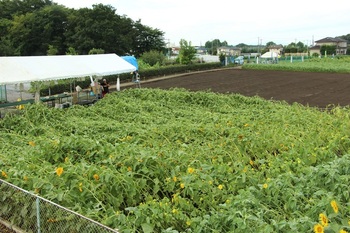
<point>149,160</point>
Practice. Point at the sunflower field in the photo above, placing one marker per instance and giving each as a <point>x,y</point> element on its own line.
<point>150,160</point>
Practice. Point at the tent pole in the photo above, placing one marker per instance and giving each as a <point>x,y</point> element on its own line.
<point>71,93</point>
<point>118,83</point>
<point>37,92</point>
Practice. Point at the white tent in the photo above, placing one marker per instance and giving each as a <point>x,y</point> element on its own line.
<point>41,68</point>
<point>269,55</point>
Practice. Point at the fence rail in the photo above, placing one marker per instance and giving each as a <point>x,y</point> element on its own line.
<point>24,212</point>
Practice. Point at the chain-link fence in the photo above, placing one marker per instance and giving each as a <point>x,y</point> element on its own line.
<point>21,211</point>
<point>292,59</point>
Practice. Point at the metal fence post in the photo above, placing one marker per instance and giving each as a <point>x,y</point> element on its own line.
<point>38,213</point>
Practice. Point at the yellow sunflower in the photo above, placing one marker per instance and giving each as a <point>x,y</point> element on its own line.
<point>334,206</point>
<point>318,228</point>
<point>59,171</point>
<point>324,220</point>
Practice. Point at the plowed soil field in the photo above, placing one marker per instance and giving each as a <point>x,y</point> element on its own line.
<point>312,89</point>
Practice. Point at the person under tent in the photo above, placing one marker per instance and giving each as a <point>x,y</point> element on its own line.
<point>105,87</point>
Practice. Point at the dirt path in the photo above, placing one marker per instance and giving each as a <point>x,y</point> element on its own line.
<point>313,89</point>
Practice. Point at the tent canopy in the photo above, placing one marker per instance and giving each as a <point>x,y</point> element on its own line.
<point>270,55</point>
<point>132,60</point>
<point>43,68</point>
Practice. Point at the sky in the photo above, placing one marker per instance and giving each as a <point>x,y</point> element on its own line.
<point>250,22</point>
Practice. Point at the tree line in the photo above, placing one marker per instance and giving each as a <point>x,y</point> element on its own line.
<point>42,27</point>
<point>292,47</point>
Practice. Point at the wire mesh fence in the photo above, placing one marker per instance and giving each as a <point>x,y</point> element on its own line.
<point>294,58</point>
<point>21,211</point>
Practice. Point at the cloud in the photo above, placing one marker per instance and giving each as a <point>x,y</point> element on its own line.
<point>234,21</point>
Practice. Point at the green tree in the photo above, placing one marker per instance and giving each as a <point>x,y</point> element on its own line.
<point>71,51</point>
<point>271,43</point>
<point>32,33</point>
<point>187,52</point>
<point>241,45</point>
<point>328,49</point>
<point>346,37</point>
<point>248,48</point>
<point>293,47</point>
<point>212,46</point>
<point>94,28</point>
<point>301,47</point>
<point>52,50</point>
<point>153,57</point>
<point>222,58</point>
<point>28,27</point>
<point>6,46</point>
<point>146,39</point>
<point>20,33</point>
<point>10,8</point>
<point>101,27</point>
<point>96,51</point>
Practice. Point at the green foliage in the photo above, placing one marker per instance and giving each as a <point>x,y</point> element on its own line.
<point>222,57</point>
<point>149,160</point>
<point>346,37</point>
<point>328,49</point>
<point>213,46</point>
<point>96,51</point>
<point>328,65</point>
<point>146,39</point>
<point>293,47</point>
<point>152,72</point>
<point>29,27</point>
<point>6,48</point>
<point>95,28</point>
<point>187,52</point>
<point>52,50</point>
<point>9,8</point>
<point>153,57</point>
<point>71,51</point>
<point>143,65</point>
<point>270,43</point>
<point>32,33</point>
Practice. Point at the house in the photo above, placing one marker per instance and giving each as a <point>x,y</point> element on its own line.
<point>278,49</point>
<point>175,51</point>
<point>201,50</point>
<point>340,44</point>
<point>229,51</point>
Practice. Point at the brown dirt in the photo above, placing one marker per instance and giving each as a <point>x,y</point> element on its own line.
<point>312,89</point>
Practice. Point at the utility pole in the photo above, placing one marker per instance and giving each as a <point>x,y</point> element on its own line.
<point>168,48</point>
<point>259,43</point>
